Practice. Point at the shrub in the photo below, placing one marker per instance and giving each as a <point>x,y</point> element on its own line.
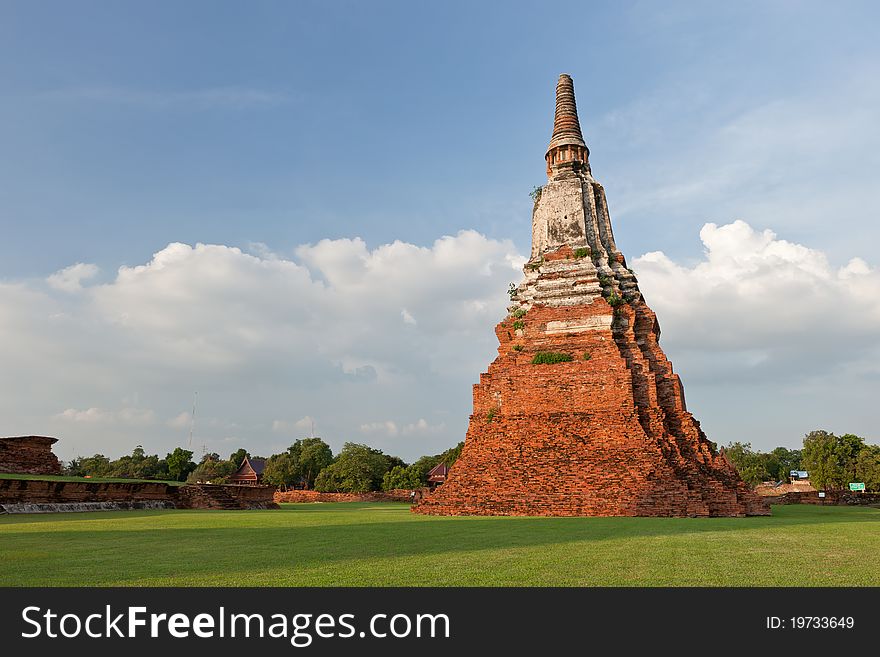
<point>581,252</point>
<point>587,355</point>
<point>614,300</point>
<point>536,193</point>
<point>517,347</point>
<point>491,414</point>
<point>511,291</point>
<point>551,358</point>
<point>517,325</point>
<point>519,312</point>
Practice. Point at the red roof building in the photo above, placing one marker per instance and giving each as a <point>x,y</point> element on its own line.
<point>437,474</point>
<point>250,472</point>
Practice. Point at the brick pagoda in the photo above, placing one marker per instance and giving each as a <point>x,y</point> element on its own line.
<point>581,414</point>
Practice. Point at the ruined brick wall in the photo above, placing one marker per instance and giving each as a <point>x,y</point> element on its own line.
<point>204,496</point>
<point>28,455</point>
<point>398,495</point>
<point>44,491</point>
<point>224,497</point>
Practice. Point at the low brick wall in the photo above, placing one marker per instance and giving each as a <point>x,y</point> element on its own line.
<point>44,491</point>
<point>832,498</point>
<point>130,495</point>
<point>397,495</point>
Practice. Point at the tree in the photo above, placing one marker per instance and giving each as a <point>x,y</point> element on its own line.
<point>357,469</point>
<point>786,461</point>
<point>313,455</point>
<point>281,470</point>
<point>212,469</point>
<point>400,477</point>
<point>450,456</point>
<point>847,451</point>
<point>820,458</point>
<point>868,467</point>
<point>238,456</point>
<point>89,466</point>
<point>751,465</point>
<point>179,463</point>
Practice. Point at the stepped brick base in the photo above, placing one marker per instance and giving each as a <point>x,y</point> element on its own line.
<point>606,434</point>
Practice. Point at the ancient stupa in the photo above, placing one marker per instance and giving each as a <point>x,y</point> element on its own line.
<point>581,414</point>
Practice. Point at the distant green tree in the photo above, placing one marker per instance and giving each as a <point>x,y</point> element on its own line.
<point>418,471</point>
<point>450,456</point>
<point>180,463</point>
<point>399,477</point>
<point>311,455</point>
<point>868,467</point>
<point>416,475</point>
<point>847,452</point>
<point>820,458</point>
<point>212,469</point>
<point>786,460</point>
<point>238,456</point>
<point>89,466</point>
<point>357,469</point>
<point>751,465</point>
<point>281,470</point>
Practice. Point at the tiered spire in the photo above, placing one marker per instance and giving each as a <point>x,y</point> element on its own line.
<point>567,145</point>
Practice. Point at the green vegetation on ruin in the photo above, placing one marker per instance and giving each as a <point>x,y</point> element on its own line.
<point>385,545</point>
<point>551,358</point>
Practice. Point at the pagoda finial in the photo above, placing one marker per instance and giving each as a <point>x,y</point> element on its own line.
<point>567,147</point>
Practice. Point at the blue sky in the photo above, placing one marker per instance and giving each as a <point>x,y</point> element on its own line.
<point>267,126</point>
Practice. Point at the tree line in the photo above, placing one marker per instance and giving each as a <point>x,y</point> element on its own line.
<point>308,463</point>
<point>832,461</point>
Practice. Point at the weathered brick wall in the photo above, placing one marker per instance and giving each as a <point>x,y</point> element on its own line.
<point>44,491</point>
<point>227,497</point>
<point>28,455</point>
<point>604,435</point>
<point>398,495</point>
<point>41,491</point>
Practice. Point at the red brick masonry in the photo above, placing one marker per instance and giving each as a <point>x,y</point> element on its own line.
<point>603,435</point>
<point>315,496</point>
<point>194,496</point>
<point>28,455</point>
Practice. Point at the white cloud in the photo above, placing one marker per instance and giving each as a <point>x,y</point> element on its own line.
<point>407,317</point>
<point>392,428</point>
<point>262,337</point>
<point>759,304</point>
<point>268,339</point>
<point>422,427</point>
<point>180,421</point>
<point>388,427</point>
<point>799,159</point>
<point>70,278</point>
<point>123,416</point>
<point>286,426</point>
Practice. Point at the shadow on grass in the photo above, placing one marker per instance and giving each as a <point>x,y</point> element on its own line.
<point>162,550</point>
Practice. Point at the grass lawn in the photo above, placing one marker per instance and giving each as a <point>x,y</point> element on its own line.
<point>94,480</point>
<point>383,544</point>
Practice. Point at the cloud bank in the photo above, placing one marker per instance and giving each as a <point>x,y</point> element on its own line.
<point>382,345</point>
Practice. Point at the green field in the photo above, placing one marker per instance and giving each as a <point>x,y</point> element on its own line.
<point>385,545</point>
